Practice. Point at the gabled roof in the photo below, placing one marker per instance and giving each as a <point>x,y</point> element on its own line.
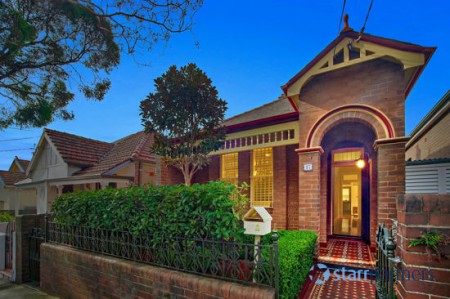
<point>9,178</point>
<point>76,149</point>
<point>21,164</point>
<point>276,111</point>
<point>439,110</point>
<point>413,57</point>
<point>131,148</point>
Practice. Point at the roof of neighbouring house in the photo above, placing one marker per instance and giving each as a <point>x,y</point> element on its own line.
<point>22,164</point>
<point>428,161</point>
<point>98,157</point>
<point>276,110</point>
<point>9,178</point>
<point>436,113</point>
<point>133,147</point>
<point>76,149</point>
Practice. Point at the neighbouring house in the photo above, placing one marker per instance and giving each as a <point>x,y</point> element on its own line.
<point>65,163</point>
<point>12,198</point>
<point>329,155</point>
<point>428,152</point>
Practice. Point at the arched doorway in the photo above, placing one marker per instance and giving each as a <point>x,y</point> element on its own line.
<point>350,187</point>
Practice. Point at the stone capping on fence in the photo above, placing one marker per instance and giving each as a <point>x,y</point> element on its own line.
<point>71,273</point>
<point>429,277</point>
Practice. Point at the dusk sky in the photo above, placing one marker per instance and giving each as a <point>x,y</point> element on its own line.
<point>249,49</point>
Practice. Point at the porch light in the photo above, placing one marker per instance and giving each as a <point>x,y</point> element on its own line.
<point>360,163</point>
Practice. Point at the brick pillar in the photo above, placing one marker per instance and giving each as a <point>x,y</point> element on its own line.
<point>214,168</point>
<point>309,190</point>
<point>24,225</point>
<point>420,275</point>
<point>279,187</point>
<point>390,178</point>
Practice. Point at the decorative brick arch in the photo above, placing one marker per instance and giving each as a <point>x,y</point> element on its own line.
<point>370,116</point>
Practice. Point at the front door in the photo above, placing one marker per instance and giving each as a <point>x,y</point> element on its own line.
<point>347,192</point>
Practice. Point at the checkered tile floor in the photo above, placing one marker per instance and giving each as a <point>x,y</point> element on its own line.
<point>357,259</point>
<point>353,253</point>
<point>336,287</point>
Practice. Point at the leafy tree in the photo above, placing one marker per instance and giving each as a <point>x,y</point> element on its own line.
<point>185,114</point>
<point>48,45</point>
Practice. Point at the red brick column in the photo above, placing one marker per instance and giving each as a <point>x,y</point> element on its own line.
<point>391,177</point>
<point>422,276</point>
<point>309,190</point>
<point>279,187</point>
<point>24,225</point>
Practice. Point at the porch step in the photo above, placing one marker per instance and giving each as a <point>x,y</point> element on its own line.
<point>347,252</point>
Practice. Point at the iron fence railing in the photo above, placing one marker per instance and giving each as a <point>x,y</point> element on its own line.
<point>240,262</point>
<point>386,264</point>
<point>9,246</point>
<point>35,238</point>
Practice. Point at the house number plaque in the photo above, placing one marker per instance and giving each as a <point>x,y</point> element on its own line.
<point>307,167</point>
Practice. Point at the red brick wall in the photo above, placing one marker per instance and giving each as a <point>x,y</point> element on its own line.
<point>285,182</point>
<point>309,192</point>
<point>71,273</point>
<point>292,187</point>
<point>279,211</point>
<point>379,84</point>
<point>419,213</point>
<point>391,179</point>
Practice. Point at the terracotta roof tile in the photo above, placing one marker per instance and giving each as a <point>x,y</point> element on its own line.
<point>10,177</point>
<point>78,150</point>
<point>275,108</point>
<point>24,163</point>
<point>132,147</point>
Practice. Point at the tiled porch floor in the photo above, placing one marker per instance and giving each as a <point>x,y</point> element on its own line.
<point>347,252</point>
<point>325,282</point>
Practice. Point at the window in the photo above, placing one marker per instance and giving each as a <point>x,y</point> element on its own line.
<point>262,177</point>
<point>229,168</point>
<point>341,156</point>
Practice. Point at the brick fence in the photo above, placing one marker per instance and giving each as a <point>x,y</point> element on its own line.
<point>72,273</point>
<point>421,276</point>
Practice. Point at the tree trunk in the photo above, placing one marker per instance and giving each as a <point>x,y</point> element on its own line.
<point>187,179</point>
<point>186,174</point>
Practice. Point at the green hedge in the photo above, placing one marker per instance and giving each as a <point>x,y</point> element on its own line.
<point>296,252</point>
<point>210,211</point>
<point>6,217</point>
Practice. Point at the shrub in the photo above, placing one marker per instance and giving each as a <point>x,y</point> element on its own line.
<point>6,217</point>
<point>296,252</point>
<point>209,211</point>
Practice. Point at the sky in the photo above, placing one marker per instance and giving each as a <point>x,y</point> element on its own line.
<point>249,48</point>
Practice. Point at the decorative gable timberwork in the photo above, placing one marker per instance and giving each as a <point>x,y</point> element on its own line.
<point>350,49</point>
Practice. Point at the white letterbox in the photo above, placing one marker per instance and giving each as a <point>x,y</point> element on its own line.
<point>257,221</point>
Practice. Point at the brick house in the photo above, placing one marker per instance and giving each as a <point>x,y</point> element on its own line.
<point>299,153</point>
<point>65,162</point>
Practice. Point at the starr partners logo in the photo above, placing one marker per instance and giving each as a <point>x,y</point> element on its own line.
<point>354,274</point>
<point>326,273</point>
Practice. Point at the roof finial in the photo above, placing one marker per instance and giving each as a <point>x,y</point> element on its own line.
<point>346,27</point>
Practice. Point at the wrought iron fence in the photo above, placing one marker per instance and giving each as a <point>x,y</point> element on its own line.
<point>9,246</point>
<point>247,263</point>
<point>386,263</point>
<point>36,238</point>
